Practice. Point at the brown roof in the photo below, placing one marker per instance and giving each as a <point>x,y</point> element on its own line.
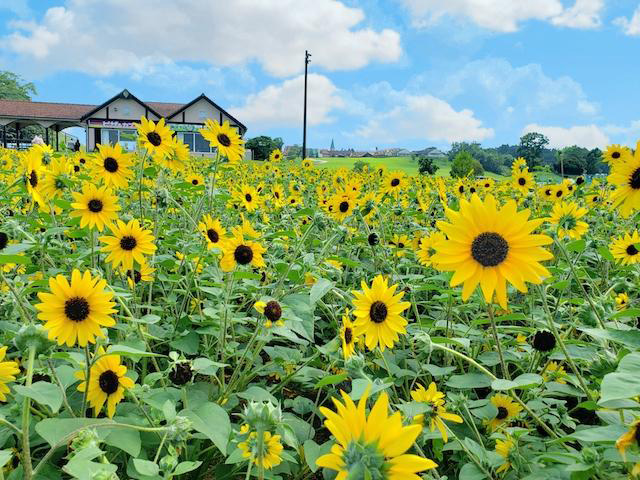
<point>23,108</point>
<point>165,109</point>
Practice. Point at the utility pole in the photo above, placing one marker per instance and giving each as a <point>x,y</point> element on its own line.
<point>307,57</point>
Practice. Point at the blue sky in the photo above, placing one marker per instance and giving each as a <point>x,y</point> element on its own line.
<point>410,73</point>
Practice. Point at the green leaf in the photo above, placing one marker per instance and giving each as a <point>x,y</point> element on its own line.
<point>469,471</point>
<point>5,456</point>
<point>576,246</point>
<point>126,439</point>
<point>624,382</point>
<point>629,338</point>
<point>320,289</point>
<point>526,380</point>
<point>53,430</point>
<point>212,421</point>
<point>131,352</point>
<point>22,259</point>
<point>258,394</point>
<point>44,393</point>
<point>331,380</point>
<point>605,253</point>
<point>146,467</point>
<point>184,467</point>
<point>313,451</point>
<point>359,386</point>
<point>469,380</point>
<point>608,434</point>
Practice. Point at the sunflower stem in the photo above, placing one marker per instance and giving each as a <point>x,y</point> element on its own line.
<point>505,372</point>
<point>87,376</point>
<point>26,417</point>
<point>144,159</point>
<point>223,328</point>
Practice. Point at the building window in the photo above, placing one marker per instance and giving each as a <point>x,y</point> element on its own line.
<point>202,145</point>
<point>202,114</point>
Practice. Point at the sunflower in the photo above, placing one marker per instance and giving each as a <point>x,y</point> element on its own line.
<point>437,412</point>
<point>567,215</point>
<point>622,300</point>
<point>96,206</point>
<point>278,197</point>
<point>375,443</point>
<point>224,139</point>
<point>248,197</point>
<point>142,274</point>
<point>547,192</point>
<point>491,246</point>
<point>460,188</point>
<point>275,155</point>
<point>625,248</point>
<point>626,177</point>
<point>507,409</point>
<point>523,182</point>
<point>195,179</point>
<point>107,382</point>
<point>155,138</point>
<point>269,457</point>
<point>33,173</point>
<point>554,373</point>
<point>177,158</point>
<point>346,336</point>
<point>594,199</point>
<point>342,205</point>
<point>377,312</point>
<point>8,372</point>
<point>628,439</point>
<point>129,242</point>
<point>56,179</point>
<point>74,312</point>
<point>112,165</point>
<point>560,192</point>
<point>504,449</point>
<point>272,311</point>
<point>394,183</point>
<point>400,243</point>
<point>616,154</point>
<point>426,248</point>
<point>238,251</point>
<point>213,231</point>
<point>307,163</point>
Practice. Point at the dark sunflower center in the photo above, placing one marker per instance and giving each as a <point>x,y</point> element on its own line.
<point>276,194</point>
<point>154,138</point>
<point>631,250</point>
<point>615,155</point>
<point>472,190</point>
<point>134,275</point>
<point>579,180</point>
<point>522,181</point>
<point>634,181</point>
<point>273,311</point>
<point>400,245</point>
<point>461,189</point>
<point>59,183</point>
<point>95,205</point>
<point>109,382</point>
<point>547,191</point>
<point>33,179</point>
<point>348,335</point>
<point>128,243</point>
<point>213,236</point>
<point>344,207</point>
<point>559,193</point>
<point>224,140</point>
<point>378,312</point>
<point>248,197</point>
<point>395,182</point>
<point>194,181</point>
<point>110,164</point>
<point>76,309</point>
<point>243,254</point>
<point>4,240</point>
<point>502,413</point>
<point>637,435</point>
<point>489,249</point>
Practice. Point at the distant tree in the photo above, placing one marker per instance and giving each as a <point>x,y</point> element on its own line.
<point>262,146</point>
<point>595,163</point>
<point>360,165</point>
<point>571,161</point>
<point>13,87</point>
<point>425,164</point>
<point>531,148</point>
<point>489,158</point>
<point>464,165</point>
<point>294,151</point>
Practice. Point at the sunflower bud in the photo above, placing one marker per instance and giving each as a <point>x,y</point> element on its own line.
<point>85,439</point>
<point>32,335</point>
<point>262,416</point>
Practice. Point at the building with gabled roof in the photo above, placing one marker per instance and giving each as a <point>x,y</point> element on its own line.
<point>116,119</point>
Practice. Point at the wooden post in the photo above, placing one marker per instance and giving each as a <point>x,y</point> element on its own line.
<point>57,138</point>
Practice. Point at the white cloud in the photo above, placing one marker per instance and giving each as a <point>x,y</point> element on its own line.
<point>630,26</point>
<point>506,15</point>
<point>18,7</point>
<point>103,37</point>
<point>525,90</point>
<point>423,117</point>
<point>282,104</point>
<point>587,136</point>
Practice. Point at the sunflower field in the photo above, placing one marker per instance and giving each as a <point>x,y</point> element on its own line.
<point>166,316</point>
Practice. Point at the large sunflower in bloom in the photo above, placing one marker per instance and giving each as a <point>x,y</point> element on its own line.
<point>8,372</point>
<point>113,166</point>
<point>626,177</point>
<point>616,154</point>
<point>238,251</point>
<point>75,311</point>
<point>129,242</point>
<point>154,137</point>
<point>375,444</point>
<point>491,246</point>
<point>33,173</point>
<point>566,216</point>
<point>213,231</point>
<point>275,156</point>
<point>378,312</point>
<point>626,248</point>
<point>225,139</point>
<point>96,206</point>
<point>507,410</point>
<point>107,383</point>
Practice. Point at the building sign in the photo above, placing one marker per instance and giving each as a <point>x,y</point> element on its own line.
<point>112,124</point>
<point>185,127</point>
